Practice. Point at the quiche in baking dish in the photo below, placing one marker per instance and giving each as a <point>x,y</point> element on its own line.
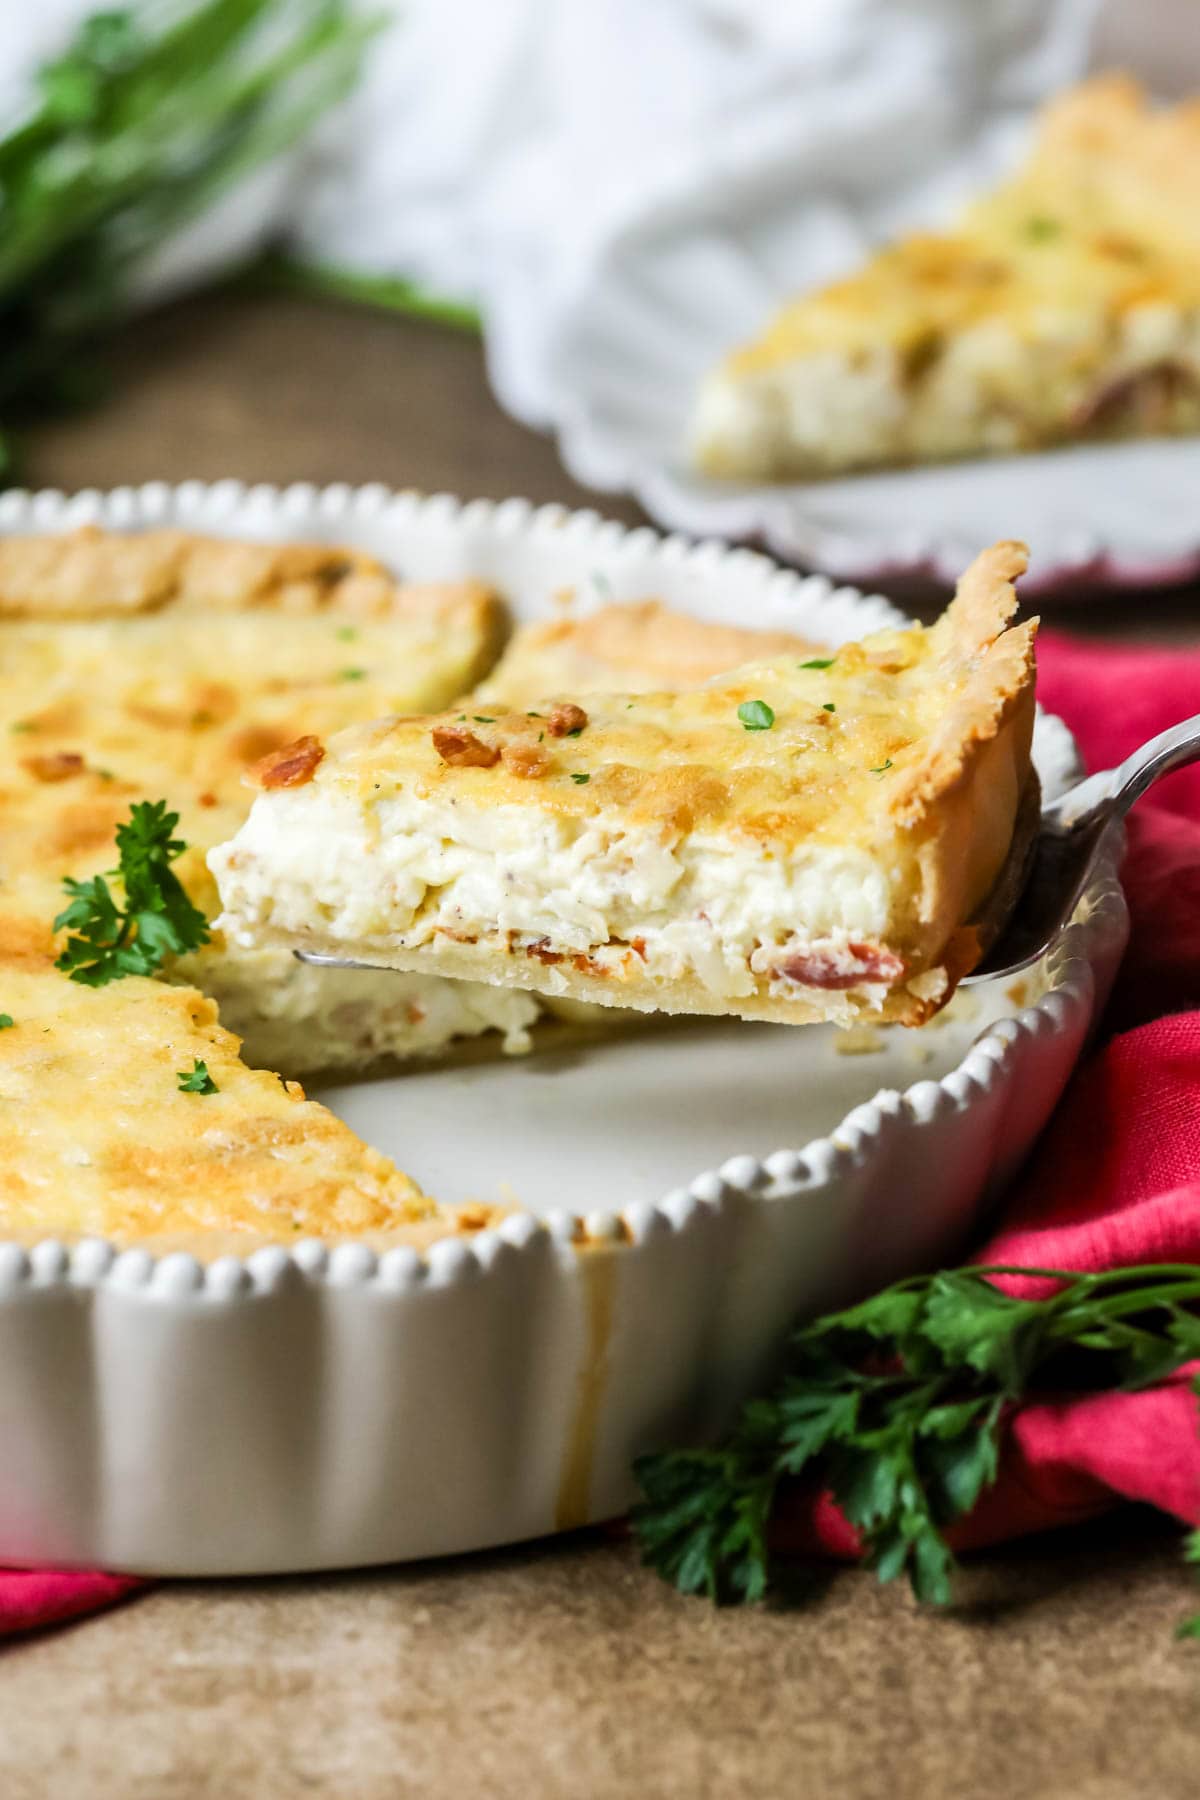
<point>159,665</point>
<point>806,838</point>
<point>1063,306</point>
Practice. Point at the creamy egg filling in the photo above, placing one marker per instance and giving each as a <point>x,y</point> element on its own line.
<point>312,867</point>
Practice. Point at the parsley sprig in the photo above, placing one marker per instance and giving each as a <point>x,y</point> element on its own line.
<point>157,919</point>
<point>897,1406</point>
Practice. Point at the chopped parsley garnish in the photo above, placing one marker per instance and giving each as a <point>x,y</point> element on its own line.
<point>883,767</point>
<point>580,780</point>
<point>346,634</point>
<point>829,707</point>
<point>756,715</point>
<point>899,1406</point>
<point>197,1080</point>
<point>818,662</point>
<point>533,715</point>
<point>1040,228</point>
<point>484,718</point>
<point>352,674</point>
<point>576,731</point>
<point>6,1021</point>
<point>21,725</point>
<point>108,941</point>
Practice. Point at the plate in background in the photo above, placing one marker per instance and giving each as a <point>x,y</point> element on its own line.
<point>664,308</point>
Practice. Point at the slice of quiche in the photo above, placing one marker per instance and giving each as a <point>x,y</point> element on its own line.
<point>1063,306</point>
<point>810,837</point>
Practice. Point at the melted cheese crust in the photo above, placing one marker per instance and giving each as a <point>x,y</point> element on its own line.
<point>665,855</point>
<point>1064,305</point>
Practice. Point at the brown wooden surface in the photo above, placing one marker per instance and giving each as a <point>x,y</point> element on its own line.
<point>560,1669</point>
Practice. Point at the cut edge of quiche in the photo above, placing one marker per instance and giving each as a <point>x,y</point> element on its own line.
<point>1064,306</point>
<point>807,839</point>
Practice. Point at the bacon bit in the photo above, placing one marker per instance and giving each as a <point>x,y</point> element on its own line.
<point>638,944</point>
<point>566,719</point>
<point>462,749</point>
<point>416,1013</point>
<point>474,1216</point>
<point>586,965</point>
<point>543,951</point>
<point>206,800</point>
<point>292,766</point>
<point>58,765</point>
<point>529,761</point>
<point>836,970</point>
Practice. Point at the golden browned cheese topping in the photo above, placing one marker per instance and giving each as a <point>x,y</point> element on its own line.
<point>824,748</point>
<point>99,1134</point>
<point>1101,220</point>
<point>162,666</point>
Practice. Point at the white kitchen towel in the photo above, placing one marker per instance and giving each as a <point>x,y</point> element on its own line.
<point>506,151</point>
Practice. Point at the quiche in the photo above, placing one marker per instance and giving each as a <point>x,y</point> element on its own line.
<point>805,838</point>
<point>1063,306</point>
<point>160,664</point>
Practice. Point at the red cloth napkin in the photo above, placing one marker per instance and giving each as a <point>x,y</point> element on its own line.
<point>1116,1180</point>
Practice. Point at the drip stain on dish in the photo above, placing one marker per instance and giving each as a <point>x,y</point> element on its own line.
<point>598,1283</point>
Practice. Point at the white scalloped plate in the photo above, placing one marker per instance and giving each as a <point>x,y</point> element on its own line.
<point>322,1406</point>
<point>665,306</point>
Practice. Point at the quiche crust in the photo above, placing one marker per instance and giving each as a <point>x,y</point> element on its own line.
<point>787,842</point>
<point>1063,306</point>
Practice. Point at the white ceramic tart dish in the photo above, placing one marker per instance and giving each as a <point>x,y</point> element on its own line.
<point>667,1201</point>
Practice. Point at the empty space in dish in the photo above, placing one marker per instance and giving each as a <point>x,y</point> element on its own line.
<point>603,1124</point>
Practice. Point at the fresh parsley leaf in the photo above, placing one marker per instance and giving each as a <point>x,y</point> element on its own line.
<point>897,1406</point>
<point>580,780</point>
<point>829,706</point>
<point>197,1079</point>
<point>818,662</point>
<point>107,940</point>
<point>352,674</point>
<point>6,1021</point>
<point>756,715</point>
<point>883,767</point>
